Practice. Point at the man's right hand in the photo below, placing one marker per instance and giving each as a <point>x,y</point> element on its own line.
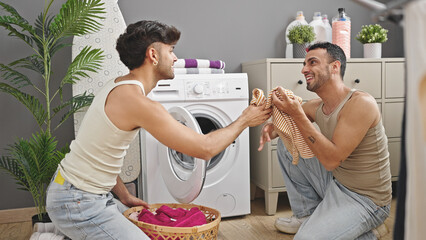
<point>268,133</point>
<point>255,115</point>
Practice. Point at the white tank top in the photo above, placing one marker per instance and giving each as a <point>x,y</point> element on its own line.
<point>98,150</point>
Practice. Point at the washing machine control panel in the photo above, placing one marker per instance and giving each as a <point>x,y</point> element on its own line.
<point>213,89</point>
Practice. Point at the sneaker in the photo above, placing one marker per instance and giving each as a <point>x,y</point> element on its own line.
<point>289,225</point>
<point>380,231</point>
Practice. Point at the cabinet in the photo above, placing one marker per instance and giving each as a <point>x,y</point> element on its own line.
<point>382,78</point>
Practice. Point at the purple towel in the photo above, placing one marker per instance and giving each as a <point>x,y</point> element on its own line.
<point>199,63</point>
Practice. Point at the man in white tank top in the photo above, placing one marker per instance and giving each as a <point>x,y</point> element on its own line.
<point>79,201</point>
<point>344,192</point>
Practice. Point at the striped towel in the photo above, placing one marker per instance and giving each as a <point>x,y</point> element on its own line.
<point>198,71</point>
<point>287,128</point>
<point>199,63</point>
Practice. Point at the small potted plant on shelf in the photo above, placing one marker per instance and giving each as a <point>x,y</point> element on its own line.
<point>33,162</point>
<point>372,36</point>
<point>300,36</point>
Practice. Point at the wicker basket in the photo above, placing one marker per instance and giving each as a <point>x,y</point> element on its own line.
<point>204,232</point>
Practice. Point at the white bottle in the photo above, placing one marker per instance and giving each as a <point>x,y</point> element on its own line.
<point>300,19</point>
<point>319,28</point>
<point>327,26</point>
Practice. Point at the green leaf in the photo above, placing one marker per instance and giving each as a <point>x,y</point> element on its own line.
<point>32,163</point>
<point>88,60</point>
<point>16,20</point>
<point>30,102</point>
<point>78,17</point>
<point>373,33</point>
<point>18,79</point>
<point>301,34</point>
<point>75,103</point>
<point>33,62</point>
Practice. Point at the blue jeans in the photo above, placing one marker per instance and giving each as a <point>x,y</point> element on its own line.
<point>82,215</point>
<point>334,211</point>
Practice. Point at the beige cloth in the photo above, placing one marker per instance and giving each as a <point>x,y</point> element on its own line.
<point>97,153</point>
<point>287,128</point>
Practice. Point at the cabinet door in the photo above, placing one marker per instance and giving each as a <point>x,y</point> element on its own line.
<point>394,84</point>
<point>289,76</point>
<point>364,76</point>
<point>277,175</point>
<point>393,118</point>
<point>394,157</point>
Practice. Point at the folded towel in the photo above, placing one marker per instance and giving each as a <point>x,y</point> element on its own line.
<point>287,128</point>
<point>199,63</point>
<point>198,71</point>
<point>173,213</point>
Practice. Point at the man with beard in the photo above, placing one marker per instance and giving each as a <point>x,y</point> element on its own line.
<point>79,201</point>
<point>344,192</point>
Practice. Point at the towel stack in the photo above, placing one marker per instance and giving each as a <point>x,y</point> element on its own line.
<point>199,66</point>
<point>179,217</point>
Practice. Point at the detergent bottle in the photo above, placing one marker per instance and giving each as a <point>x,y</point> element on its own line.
<point>341,31</point>
<point>327,27</point>
<point>319,28</point>
<point>300,19</point>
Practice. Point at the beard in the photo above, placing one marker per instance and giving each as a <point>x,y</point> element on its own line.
<point>319,80</point>
<point>165,71</point>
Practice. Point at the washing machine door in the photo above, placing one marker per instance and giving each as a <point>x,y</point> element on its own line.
<point>183,175</point>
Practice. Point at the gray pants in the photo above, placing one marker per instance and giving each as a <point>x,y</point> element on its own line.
<point>335,211</point>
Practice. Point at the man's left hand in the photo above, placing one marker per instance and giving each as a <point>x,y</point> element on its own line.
<point>132,201</point>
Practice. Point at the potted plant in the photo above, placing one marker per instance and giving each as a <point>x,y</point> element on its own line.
<point>300,36</point>
<point>33,162</point>
<point>372,36</point>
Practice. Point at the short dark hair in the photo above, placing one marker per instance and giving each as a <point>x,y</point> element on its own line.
<point>334,52</point>
<point>133,43</point>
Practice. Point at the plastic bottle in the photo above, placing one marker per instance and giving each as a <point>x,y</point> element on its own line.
<point>327,27</point>
<point>319,28</point>
<point>341,31</point>
<point>300,19</point>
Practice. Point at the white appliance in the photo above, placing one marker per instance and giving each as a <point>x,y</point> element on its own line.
<point>211,101</point>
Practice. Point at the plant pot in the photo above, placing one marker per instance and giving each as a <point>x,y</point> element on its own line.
<point>299,50</point>
<point>45,218</point>
<point>372,50</point>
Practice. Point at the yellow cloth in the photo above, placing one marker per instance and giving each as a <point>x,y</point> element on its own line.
<point>287,128</point>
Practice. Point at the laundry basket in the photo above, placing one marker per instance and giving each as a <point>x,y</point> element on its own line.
<point>207,231</point>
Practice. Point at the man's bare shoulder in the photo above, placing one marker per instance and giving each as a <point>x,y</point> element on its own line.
<point>362,107</point>
<point>362,100</point>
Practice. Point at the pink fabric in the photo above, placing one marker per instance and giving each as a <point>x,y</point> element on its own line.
<point>166,216</point>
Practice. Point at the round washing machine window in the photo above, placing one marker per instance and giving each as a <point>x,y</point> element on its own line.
<point>185,163</point>
<point>209,116</point>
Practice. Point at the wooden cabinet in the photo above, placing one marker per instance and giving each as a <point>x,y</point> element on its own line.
<point>382,78</point>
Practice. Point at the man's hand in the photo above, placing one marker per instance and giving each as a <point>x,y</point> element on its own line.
<point>285,104</point>
<point>256,115</point>
<point>132,201</point>
<point>268,133</point>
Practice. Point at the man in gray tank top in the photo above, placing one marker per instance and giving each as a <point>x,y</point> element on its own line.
<point>344,192</point>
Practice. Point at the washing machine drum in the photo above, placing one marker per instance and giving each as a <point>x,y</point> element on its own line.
<point>183,175</point>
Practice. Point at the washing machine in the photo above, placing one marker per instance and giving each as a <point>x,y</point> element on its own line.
<point>204,102</point>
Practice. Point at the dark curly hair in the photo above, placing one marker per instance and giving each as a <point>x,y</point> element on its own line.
<point>334,52</point>
<point>133,43</point>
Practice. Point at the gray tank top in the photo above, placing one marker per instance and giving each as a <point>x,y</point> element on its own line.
<point>367,169</point>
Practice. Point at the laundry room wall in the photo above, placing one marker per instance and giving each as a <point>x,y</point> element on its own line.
<point>233,31</point>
